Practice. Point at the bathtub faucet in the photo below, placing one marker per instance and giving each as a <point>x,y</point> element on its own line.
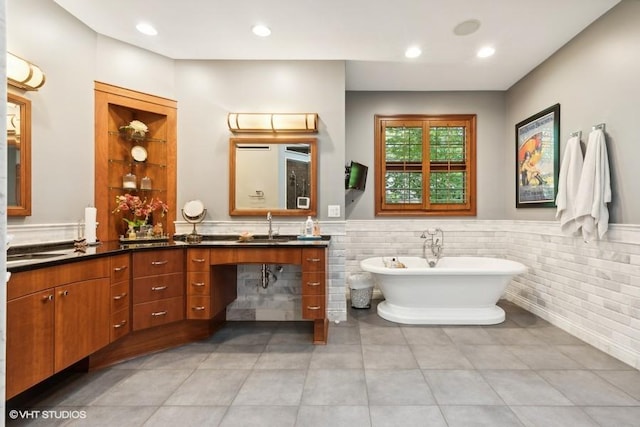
<point>435,240</point>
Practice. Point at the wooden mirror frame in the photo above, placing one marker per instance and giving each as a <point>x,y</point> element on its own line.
<point>313,178</point>
<point>24,176</point>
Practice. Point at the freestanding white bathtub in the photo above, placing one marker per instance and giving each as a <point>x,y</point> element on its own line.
<point>457,291</point>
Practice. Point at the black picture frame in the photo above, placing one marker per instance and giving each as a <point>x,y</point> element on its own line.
<point>538,159</point>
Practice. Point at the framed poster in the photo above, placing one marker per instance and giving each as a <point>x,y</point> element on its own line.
<point>538,159</point>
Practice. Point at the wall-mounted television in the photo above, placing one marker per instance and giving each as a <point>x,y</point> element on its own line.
<point>355,176</point>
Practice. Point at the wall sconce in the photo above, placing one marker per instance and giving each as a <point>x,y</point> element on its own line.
<point>23,74</point>
<point>268,122</point>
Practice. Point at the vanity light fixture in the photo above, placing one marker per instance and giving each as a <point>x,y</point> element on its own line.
<point>23,74</point>
<point>273,122</point>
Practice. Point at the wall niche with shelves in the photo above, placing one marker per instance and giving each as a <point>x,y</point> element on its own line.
<point>151,159</point>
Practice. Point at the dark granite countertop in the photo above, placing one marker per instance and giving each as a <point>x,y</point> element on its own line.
<point>29,257</point>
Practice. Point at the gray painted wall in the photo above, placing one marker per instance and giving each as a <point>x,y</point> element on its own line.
<point>73,57</point>
<point>489,108</point>
<point>62,110</point>
<point>209,90</point>
<point>595,78</point>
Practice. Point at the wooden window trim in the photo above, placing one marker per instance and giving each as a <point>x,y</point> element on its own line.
<point>425,208</point>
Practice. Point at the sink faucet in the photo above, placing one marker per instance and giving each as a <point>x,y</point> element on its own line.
<point>435,244</point>
<point>270,232</point>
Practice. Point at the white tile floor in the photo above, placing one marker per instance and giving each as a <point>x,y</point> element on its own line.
<point>523,372</point>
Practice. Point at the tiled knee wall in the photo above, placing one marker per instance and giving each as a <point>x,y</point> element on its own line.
<point>591,290</point>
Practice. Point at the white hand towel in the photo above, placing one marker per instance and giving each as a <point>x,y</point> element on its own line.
<point>568,183</point>
<point>594,191</point>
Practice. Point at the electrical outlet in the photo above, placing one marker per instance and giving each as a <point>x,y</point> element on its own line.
<point>334,211</point>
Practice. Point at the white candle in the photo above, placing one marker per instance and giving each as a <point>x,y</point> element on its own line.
<point>90,224</point>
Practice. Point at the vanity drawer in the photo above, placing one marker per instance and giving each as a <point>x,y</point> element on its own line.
<point>149,263</point>
<point>157,313</point>
<point>120,325</point>
<point>157,287</point>
<point>198,283</point>
<point>198,260</point>
<point>313,283</point>
<point>313,259</point>
<point>198,307</point>
<point>120,296</point>
<point>313,306</point>
<point>120,266</point>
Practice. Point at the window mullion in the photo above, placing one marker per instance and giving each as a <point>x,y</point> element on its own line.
<point>426,165</point>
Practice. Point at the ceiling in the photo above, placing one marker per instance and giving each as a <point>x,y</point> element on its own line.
<point>370,35</point>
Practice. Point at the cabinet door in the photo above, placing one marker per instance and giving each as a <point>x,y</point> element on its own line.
<point>82,320</point>
<point>29,341</point>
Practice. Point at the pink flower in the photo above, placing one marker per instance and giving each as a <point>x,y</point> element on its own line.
<point>140,208</point>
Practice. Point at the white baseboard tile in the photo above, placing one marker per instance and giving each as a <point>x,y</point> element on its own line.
<point>605,344</point>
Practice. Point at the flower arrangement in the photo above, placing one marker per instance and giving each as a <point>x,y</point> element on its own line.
<point>140,208</point>
<point>135,129</point>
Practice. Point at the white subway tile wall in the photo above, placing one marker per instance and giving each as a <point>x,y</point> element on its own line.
<point>589,289</point>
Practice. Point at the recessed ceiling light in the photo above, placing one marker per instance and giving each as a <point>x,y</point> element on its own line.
<point>146,28</point>
<point>413,52</point>
<point>467,27</point>
<point>486,52</point>
<point>261,30</point>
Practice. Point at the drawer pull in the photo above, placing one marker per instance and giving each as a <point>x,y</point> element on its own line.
<point>47,298</point>
<point>159,262</point>
<point>198,284</point>
<point>198,308</point>
<point>158,288</point>
<point>64,293</point>
<point>159,313</point>
<point>313,259</point>
<point>120,325</point>
<point>313,283</point>
<point>313,307</point>
<point>118,269</point>
<point>119,297</point>
<point>198,259</point>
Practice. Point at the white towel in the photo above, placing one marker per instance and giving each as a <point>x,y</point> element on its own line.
<point>594,191</point>
<point>568,183</point>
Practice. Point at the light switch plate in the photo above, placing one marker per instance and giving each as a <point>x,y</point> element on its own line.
<point>334,211</point>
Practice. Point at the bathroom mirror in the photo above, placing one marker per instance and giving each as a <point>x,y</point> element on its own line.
<point>18,156</point>
<point>276,175</point>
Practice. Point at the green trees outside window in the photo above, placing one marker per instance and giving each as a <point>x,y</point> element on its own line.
<point>425,165</point>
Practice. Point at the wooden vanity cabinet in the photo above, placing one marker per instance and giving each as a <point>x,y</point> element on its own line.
<point>30,340</point>
<point>120,279</point>
<point>56,316</point>
<point>158,287</point>
<point>198,284</point>
<point>314,294</point>
<point>81,320</point>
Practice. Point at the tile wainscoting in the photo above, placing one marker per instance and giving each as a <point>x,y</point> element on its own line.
<point>591,290</point>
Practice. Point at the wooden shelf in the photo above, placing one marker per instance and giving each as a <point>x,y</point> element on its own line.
<point>116,107</point>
